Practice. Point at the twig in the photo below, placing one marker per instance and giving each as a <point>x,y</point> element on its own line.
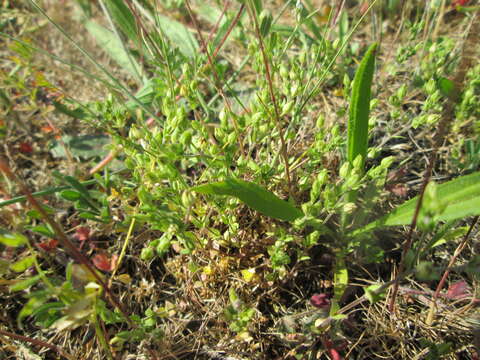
<point>38,343</point>
<point>230,28</point>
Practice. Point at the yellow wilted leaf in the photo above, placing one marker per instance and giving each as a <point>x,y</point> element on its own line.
<point>207,270</point>
<point>124,278</point>
<point>249,275</point>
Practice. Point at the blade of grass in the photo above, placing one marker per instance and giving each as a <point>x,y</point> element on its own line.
<point>306,98</point>
<point>123,21</point>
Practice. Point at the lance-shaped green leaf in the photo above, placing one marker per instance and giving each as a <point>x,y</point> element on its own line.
<point>360,107</point>
<point>113,47</point>
<point>178,35</point>
<point>254,196</point>
<point>460,197</point>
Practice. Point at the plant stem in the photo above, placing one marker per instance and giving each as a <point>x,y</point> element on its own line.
<point>268,75</point>
<point>38,343</point>
<point>215,75</point>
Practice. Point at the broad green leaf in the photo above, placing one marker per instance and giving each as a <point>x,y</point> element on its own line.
<point>81,147</point>
<point>178,35</point>
<point>12,239</point>
<point>37,299</point>
<point>109,42</point>
<point>360,107</point>
<point>123,17</point>
<point>461,196</point>
<point>24,264</point>
<point>254,196</point>
<point>77,113</point>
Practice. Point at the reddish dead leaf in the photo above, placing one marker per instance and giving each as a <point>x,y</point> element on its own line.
<point>399,190</point>
<point>364,7</point>
<point>82,233</point>
<point>456,3</point>
<point>320,301</point>
<point>334,354</point>
<point>458,290</point>
<point>102,262</point>
<point>48,245</point>
<point>47,129</point>
<point>25,148</point>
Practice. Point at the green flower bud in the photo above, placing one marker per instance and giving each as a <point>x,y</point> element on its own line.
<point>287,107</point>
<point>344,170</point>
<point>147,254</point>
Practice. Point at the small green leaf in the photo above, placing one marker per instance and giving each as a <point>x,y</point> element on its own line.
<point>12,239</point>
<point>24,284</point>
<point>254,196</point>
<point>23,264</point>
<point>32,304</point>
<point>372,294</point>
<point>43,230</point>
<point>70,195</point>
<point>446,86</point>
<point>360,107</point>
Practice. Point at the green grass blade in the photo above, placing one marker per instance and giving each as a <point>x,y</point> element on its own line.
<point>461,196</point>
<point>89,56</point>
<point>254,196</point>
<point>357,141</point>
<point>123,17</point>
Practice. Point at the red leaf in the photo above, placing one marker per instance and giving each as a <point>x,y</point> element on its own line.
<point>48,245</point>
<point>321,301</point>
<point>25,148</point>
<point>82,233</point>
<point>102,262</point>
<point>334,354</point>
<point>458,290</point>
<point>459,3</point>
<point>364,7</point>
